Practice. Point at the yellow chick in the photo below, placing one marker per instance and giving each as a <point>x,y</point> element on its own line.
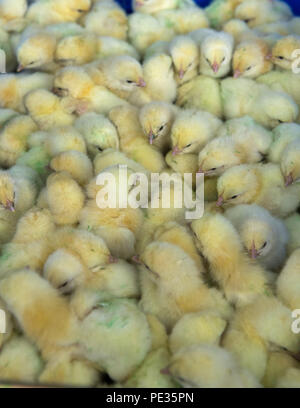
<point>239,30</point>
<point>291,379</point>
<point>63,139</point>
<point>154,6</point>
<point>98,131</point>
<point>290,163</point>
<point>209,366</point>
<point>47,110</point>
<point>258,184</point>
<point>251,59</point>
<point>65,198</point>
<point>283,135</point>
<point>220,11</point>
<point>20,361</point>
<point>283,52</point>
<point>183,163</point>
<point>55,11</point>
<point>12,15</point>
<point>107,18</point>
<point>8,221</point>
<point>112,157</point>
<point>240,279</point>
<point>77,164</point>
<point>203,328</point>
<point>108,325</point>
<point>191,131</point>
<point>264,237</point>
<point>278,364</point>
<point>287,283</point>
<point>161,293</point>
<point>293,223</point>
<point>43,315</point>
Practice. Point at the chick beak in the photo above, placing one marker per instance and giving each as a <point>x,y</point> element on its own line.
<point>215,67</point>
<point>141,83</point>
<point>201,171</point>
<point>237,73</point>
<point>165,371</point>
<point>181,73</point>
<point>176,151</point>
<point>112,260</point>
<point>10,206</point>
<point>289,180</point>
<point>136,259</point>
<point>151,137</point>
<point>20,68</point>
<point>269,57</point>
<point>254,252</point>
<point>220,201</point>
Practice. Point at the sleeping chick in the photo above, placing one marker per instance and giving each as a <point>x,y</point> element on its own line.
<point>290,163</point>
<point>77,164</point>
<point>12,14</point>
<point>209,366</point>
<point>216,49</point>
<point>44,316</point>
<point>258,184</point>
<point>20,361</point>
<point>105,327</point>
<point>251,59</point>
<point>287,283</point>
<point>264,237</point>
<point>191,131</point>
<point>293,225</point>
<point>65,198</point>
<point>240,279</point>
<point>171,290</point>
<point>283,52</point>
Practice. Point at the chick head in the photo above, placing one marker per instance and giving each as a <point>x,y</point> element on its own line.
<point>279,108</point>
<point>235,27</point>
<point>153,6</point>
<point>216,51</point>
<point>218,156</point>
<point>290,163</point>
<point>258,237</point>
<point>7,191</point>
<point>63,270</point>
<point>156,119</point>
<point>76,49</point>
<point>185,55</point>
<point>123,73</point>
<point>36,51</point>
<point>74,9</point>
<point>237,185</point>
<point>249,60</point>
<point>283,51</point>
<point>252,11</point>
<point>72,81</point>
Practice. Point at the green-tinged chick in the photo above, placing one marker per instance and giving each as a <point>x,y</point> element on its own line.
<point>293,225</point>
<point>288,289</point>
<point>284,134</point>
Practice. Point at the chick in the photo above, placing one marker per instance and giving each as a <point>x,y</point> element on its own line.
<point>43,315</point>
<point>53,11</point>
<point>107,18</point>
<point>264,237</point>
<point>216,49</point>
<point>8,221</point>
<point>209,366</point>
<point>193,329</point>
<point>291,379</point>
<point>293,223</point>
<point>220,11</point>
<point>278,364</point>
<point>108,46</point>
<point>112,157</point>
<point>12,14</point>
<point>290,163</point>
<point>77,164</point>
<point>255,184</point>
<point>287,282</point>
<point>246,97</point>
<point>98,131</point>
<point>283,135</point>
<point>183,163</point>
<point>108,325</point>
<point>192,129</point>
<point>154,6</point>
<point>20,361</point>
<point>63,139</point>
<point>65,198</point>
<point>13,88</point>
<point>283,52</point>
<point>161,293</point>
<point>156,119</point>
<point>47,110</point>
<point>202,93</point>
<point>251,59</point>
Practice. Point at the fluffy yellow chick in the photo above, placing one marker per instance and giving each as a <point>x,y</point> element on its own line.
<point>14,87</point>
<point>220,11</point>
<point>77,164</point>
<point>251,59</point>
<point>209,366</point>
<point>191,131</point>
<point>283,52</point>
<point>201,93</point>
<point>107,18</point>
<point>43,315</point>
<point>278,364</point>
<point>246,97</point>
<point>62,139</point>
<point>216,49</point>
<point>12,14</point>
<point>99,133</point>
<point>56,11</point>
<point>291,379</point>
<point>239,30</point>
<point>197,329</point>
<point>265,238</point>
<point>171,290</point>
<point>112,157</point>
<point>283,135</point>
<point>108,325</point>
<point>258,184</point>
<point>20,361</point>
<point>65,198</point>
<point>240,279</point>
<point>293,225</point>
<point>8,221</point>
<point>290,163</point>
<point>183,163</point>
<point>287,283</point>
<point>47,110</point>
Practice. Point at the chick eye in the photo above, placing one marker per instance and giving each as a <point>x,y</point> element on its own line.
<point>248,69</point>
<point>63,285</point>
<point>189,145</point>
<point>100,149</point>
<point>280,57</point>
<point>264,245</point>
<point>280,121</point>
<point>161,128</point>
<point>80,11</point>
<point>214,169</point>
<point>147,267</point>
<point>223,59</point>
<point>234,197</point>
<point>129,82</point>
